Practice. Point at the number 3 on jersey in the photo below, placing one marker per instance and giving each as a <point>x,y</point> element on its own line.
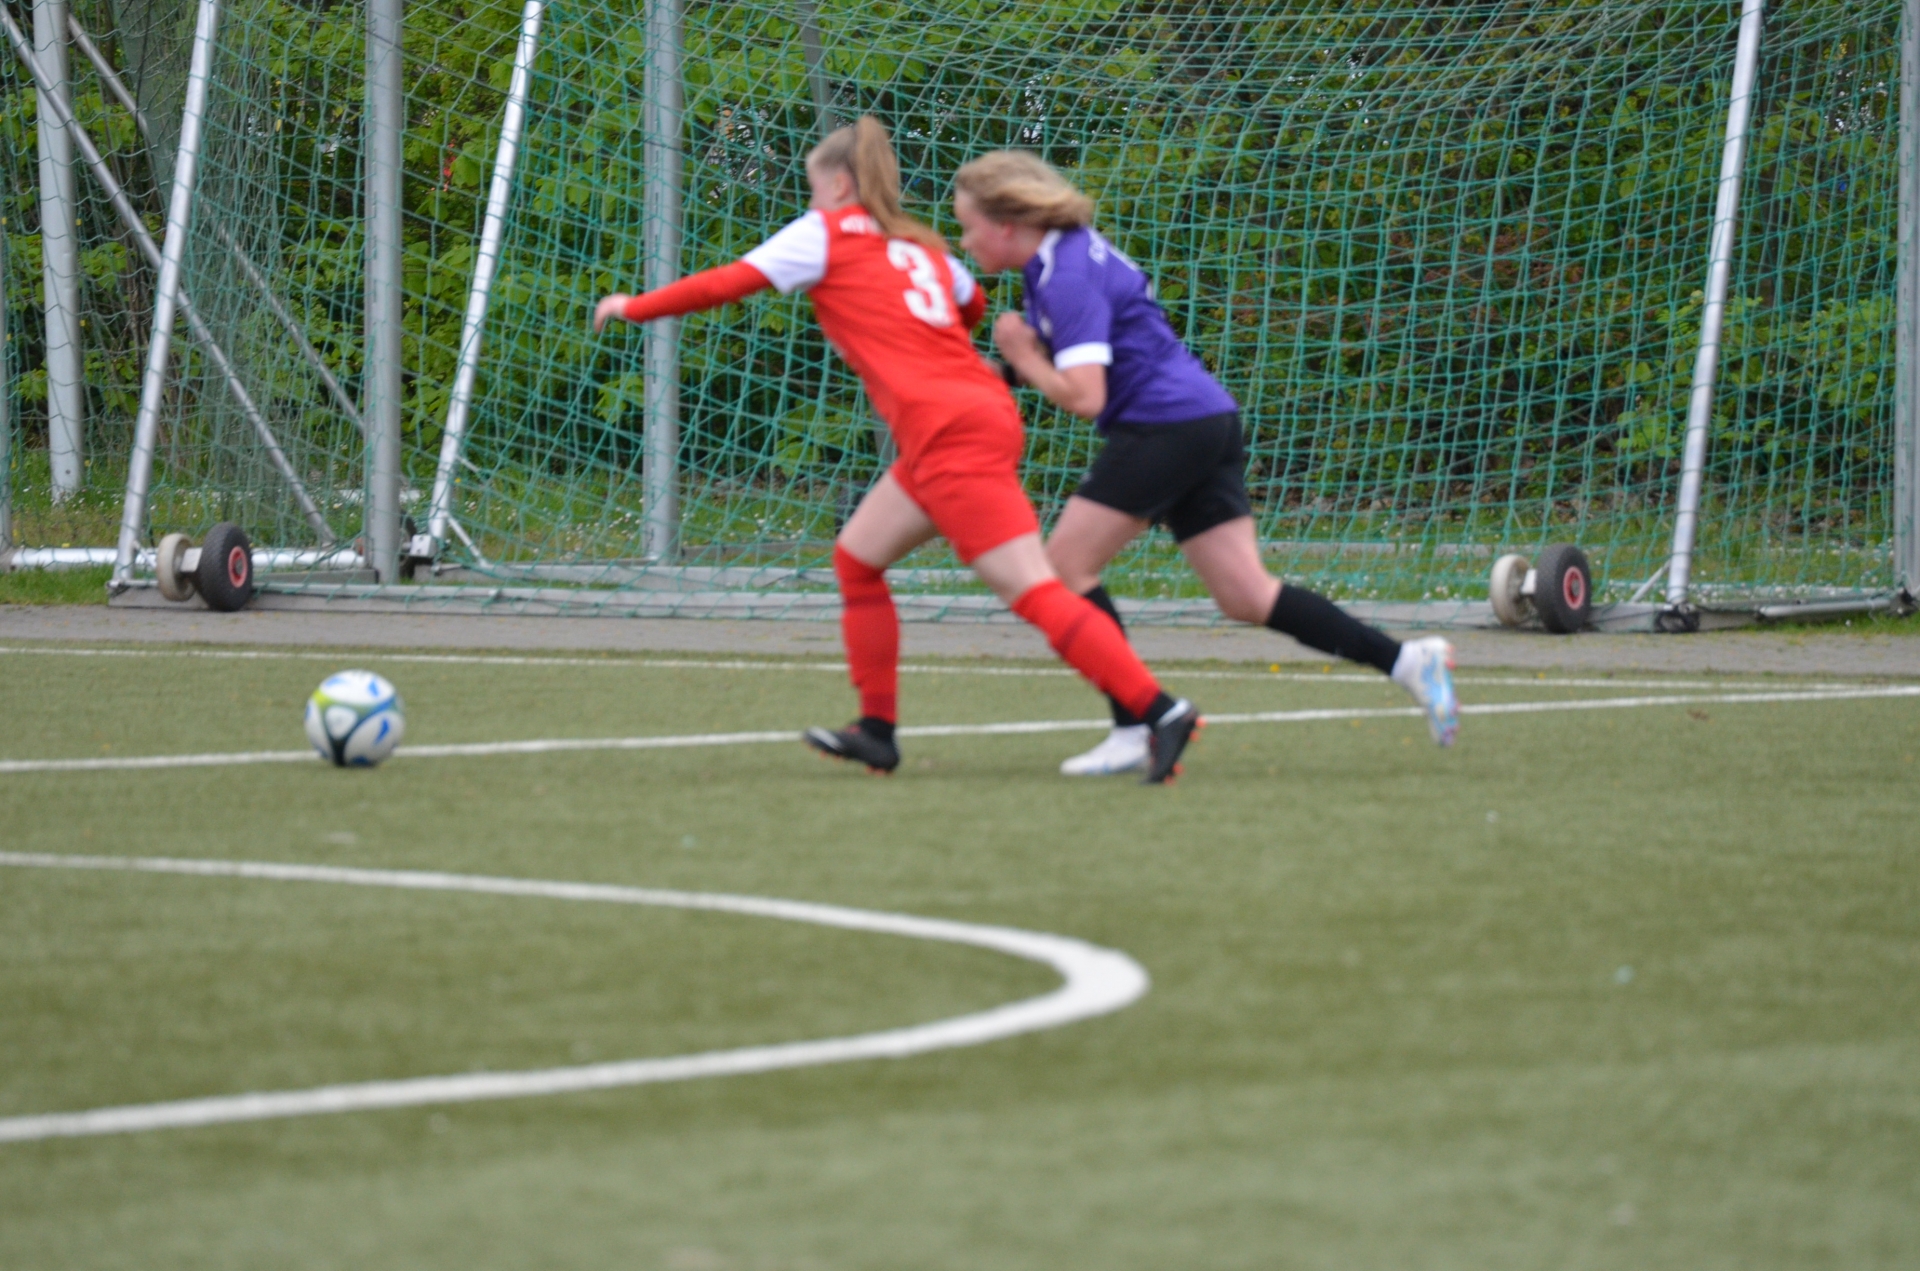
<point>926,299</point>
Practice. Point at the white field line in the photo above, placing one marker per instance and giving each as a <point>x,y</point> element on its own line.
<point>555,745</point>
<point>908,668</point>
<point>1097,981</point>
<point>1576,704</point>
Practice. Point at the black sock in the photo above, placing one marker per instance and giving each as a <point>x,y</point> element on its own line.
<point>875,727</point>
<point>1161,705</point>
<point>1122,717</point>
<point>1320,624</point>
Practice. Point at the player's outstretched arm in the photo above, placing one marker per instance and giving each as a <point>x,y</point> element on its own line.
<point>708,289</point>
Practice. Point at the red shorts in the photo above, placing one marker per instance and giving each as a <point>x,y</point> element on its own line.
<point>966,478</point>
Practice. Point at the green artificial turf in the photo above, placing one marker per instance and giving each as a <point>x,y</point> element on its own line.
<point>1623,988</point>
<point>54,586</point>
<point>1883,623</point>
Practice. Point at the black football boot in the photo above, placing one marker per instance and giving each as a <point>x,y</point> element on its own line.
<point>855,742</point>
<point>1170,735</point>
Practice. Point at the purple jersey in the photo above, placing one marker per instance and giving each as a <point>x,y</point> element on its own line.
<point>1093,305</point>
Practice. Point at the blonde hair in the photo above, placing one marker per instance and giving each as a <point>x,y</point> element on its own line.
<point>1020,187</point>
<point>865,152</point>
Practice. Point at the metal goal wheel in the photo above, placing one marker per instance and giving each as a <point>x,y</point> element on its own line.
<point>1563,589</point>
<point>1512,603</point>
<point>171,566</point>
<point>225,575</point>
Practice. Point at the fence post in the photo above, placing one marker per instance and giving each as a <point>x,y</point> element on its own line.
<point>380,407</point>
<point>1906,399</point>
<point>1726,209</point>
<point>661,404</point>
<point>60,259</point>
<point>815,57</point>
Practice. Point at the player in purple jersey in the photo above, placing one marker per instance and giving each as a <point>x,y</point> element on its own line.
<point>1096,343</point>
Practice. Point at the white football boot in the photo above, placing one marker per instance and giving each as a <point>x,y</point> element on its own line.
<point>1124,750</point>
<point>1425,669</point>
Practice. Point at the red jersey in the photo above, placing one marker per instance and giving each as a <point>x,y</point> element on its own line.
<point>893,309</point>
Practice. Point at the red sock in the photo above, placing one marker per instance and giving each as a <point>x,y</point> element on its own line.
<point>871,631</point>
<point>1090,642</point>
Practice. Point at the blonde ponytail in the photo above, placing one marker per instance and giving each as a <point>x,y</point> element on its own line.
<point>865,151</point>
<point>1020,188</point>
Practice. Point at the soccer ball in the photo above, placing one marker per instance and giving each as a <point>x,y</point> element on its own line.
<point>354,719</point>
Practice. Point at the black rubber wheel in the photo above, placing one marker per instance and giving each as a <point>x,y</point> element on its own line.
<point>1562,589</point>
<point>225,576</point>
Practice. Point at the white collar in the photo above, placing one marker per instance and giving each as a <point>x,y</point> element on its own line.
<point>1048,241</point>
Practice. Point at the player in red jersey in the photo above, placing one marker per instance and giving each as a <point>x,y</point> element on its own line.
<point>898,307</point>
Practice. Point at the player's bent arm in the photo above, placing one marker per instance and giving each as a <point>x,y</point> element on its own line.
<point>968,294</point>
<point>708,289</point>
<point>973,308</point>
<point>1079,389</point>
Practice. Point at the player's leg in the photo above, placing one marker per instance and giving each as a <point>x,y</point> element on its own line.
<point>1213,523</point>
<point>1086,537</point>
<point>1227,558</point>
<point>968,480</point>
<point>886,526</point>
<point>1019,573</point>
<point>1141,472</point>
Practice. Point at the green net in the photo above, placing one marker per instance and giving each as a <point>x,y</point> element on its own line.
<point>1448,258</point>
<point>115,289</point>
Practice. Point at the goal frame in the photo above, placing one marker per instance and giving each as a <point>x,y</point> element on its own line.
<point>388,567</point>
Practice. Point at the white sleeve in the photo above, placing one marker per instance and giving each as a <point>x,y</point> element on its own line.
<point>963,284</point>
<point>1092,353</point>
<point>796,257</point>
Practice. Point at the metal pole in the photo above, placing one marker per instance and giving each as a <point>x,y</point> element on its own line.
<point>1906,396</point>
<point>202,334</point>
<point>810,49</point>
<point>661,403</point>
<point>386,112</point>
<point>118,88</point>
<point>486,264</point>
<point>60,257</point>
<point>1746,63</point>
<point>179,216</point>
<point>6,412</point>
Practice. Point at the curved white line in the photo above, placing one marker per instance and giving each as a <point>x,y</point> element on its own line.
<point>1097,981</point>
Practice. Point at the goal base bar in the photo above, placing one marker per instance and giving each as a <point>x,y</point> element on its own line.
<point>347,594</point>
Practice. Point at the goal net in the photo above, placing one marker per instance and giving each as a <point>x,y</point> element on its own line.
<point>1451,261</point>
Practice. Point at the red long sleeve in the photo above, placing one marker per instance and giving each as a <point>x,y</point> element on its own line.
<point>708,289</point>
<point>975,308</point>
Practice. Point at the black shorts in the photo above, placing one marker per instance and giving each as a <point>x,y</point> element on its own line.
<point>1189,476</point>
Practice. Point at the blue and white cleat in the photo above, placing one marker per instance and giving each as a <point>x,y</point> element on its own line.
<point>1425,669</point>
<point>1123,750</point>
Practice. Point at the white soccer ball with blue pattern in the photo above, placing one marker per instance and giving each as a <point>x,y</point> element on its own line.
<point>354,719</point>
